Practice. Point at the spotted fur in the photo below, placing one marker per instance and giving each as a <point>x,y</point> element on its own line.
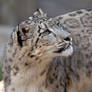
<point>32,46</point>
<point>62,74</point>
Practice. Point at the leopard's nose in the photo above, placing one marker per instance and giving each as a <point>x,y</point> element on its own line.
<point>68,39</point>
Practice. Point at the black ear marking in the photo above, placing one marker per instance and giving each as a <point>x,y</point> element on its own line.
<point>19,37</point>
<point>24,31</point>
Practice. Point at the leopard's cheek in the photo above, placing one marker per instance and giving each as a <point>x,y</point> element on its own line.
<point>47,41</point>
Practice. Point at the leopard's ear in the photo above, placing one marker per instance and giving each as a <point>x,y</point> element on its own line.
<point>15,38</point>
<point>39,13</point>
<point>18,35</point>
<point>21,32</point>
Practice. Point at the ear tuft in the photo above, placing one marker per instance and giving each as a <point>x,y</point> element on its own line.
<point>39,13</point>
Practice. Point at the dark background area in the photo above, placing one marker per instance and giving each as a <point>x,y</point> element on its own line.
<point>14,11</point>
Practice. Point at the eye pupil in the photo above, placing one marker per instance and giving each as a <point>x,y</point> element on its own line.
<point>47,31</point>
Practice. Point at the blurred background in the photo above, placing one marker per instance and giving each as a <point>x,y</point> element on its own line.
<point>13,12</point>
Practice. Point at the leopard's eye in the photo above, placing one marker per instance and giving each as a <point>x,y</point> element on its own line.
<point>59,24</point>
<point>47,31</point>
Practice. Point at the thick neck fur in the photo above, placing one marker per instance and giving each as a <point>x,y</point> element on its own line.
<point>28,74</point>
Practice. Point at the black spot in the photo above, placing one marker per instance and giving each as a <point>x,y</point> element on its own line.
<point>15,73</point>
<point>61,84</point>
<point>17,68</point>
<point>32,56</point>
<point>7,80</point>
<point>19,39</point>
<point>25,31</point>
<point>36,58</point>
<point>57,86</point>
<point>55,75</point>
<point>27,63</point>
<point>51,80</point>
<point>42,72</point>
<point>10,59</point>
<point>87,55</point>
<point>8,68</point>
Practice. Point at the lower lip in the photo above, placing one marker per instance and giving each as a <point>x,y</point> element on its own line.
<point>62,49</point>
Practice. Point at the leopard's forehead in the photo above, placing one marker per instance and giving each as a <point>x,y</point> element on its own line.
<point>37,19</point>
<point>43,22</point>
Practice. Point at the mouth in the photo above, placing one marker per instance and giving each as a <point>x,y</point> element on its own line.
<point>65,51</point>
<point>59,50</point>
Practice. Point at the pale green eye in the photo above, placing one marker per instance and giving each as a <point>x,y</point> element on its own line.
<point>47,32</point>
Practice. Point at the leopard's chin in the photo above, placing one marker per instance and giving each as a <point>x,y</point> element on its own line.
<point>65,51</point>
